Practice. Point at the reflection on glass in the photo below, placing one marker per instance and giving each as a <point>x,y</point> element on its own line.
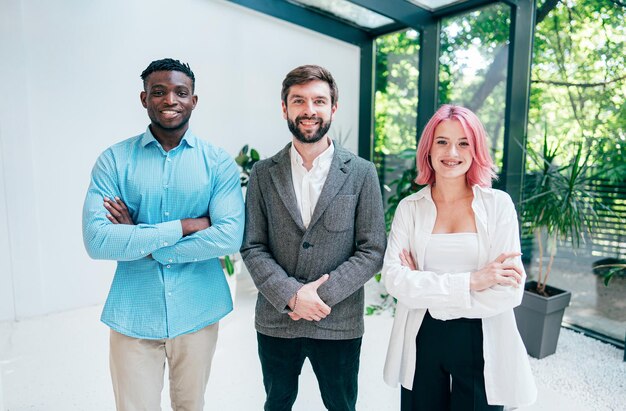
<point>473,67</point>
<point>434,4</point>
<point>578,94</point>
<point>348,11</point>
<point>395,106</point>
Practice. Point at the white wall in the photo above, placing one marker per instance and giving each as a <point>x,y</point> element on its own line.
<point>21,254</point>
<point>7,307</point>
<point>71,76</point>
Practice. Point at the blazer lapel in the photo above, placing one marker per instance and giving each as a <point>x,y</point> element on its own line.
<point>281,177</point>
<point>337,176</point>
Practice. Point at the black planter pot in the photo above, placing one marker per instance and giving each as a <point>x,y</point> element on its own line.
<point>539,319</point>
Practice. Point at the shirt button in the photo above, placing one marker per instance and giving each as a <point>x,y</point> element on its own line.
<point>165,243</point>
<point>167,213</point>
<point>170,260</point>
<point>168,266</point>
<point>169,159</point>
<point>165,186</point>
<point>306,245</point>
<point>142,252</point>
<point>195,259</point>
<point>170,294</point>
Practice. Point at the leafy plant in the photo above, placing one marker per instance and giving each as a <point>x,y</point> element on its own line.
<point>609,270</point>
<point>386,302</point>
<point>245,160</point>
<point>404,186</point>
<point>560,206</point>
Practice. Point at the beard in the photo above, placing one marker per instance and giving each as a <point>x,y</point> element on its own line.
<point>311,138</point>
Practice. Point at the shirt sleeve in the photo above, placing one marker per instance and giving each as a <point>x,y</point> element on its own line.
<point>226,211</point>
<point>107,241</point>
<point>370,241</point>
<point>498,298</point>
<point>269,277</point>
<point>417,288</point>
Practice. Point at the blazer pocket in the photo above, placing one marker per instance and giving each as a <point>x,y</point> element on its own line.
<point>339,216</point>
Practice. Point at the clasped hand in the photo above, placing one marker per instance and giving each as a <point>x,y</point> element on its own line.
<point>499,271</point>
<point>306,304</point>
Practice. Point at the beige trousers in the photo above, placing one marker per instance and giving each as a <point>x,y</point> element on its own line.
<point>138,365</point>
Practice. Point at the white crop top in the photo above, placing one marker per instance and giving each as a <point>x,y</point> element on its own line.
<point>451,253</point>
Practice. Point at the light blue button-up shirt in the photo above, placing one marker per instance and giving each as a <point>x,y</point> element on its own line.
<point>165,284</point>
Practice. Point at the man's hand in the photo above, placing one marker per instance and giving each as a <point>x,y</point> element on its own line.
<point>306,304</point>
<point>193,225</point>
<point>118,212</point>
<point>294,316</point>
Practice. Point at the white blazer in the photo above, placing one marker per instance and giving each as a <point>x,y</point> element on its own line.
<point>508,378</point>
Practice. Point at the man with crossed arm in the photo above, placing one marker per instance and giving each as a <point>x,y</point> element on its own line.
<point>165,205</point>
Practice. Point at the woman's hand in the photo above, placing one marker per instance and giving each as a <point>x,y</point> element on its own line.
<point>406,259</point>
<point>497,272</point>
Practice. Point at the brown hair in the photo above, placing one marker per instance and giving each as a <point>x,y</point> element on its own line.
<point>304,74</point>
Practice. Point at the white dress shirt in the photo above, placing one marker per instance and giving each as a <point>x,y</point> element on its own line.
<point>308,184</point>
<point>508,378</point>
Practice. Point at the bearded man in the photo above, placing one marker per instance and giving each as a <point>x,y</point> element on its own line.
<point>315,233</point>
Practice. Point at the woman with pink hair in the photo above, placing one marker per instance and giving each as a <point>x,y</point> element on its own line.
<point>453,264</point>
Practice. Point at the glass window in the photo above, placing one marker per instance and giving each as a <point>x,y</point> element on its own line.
<point>434,4</point>
<point>473,67</point>
<point>395,105</point>
<point>578,97</point>
<point>348,11</point>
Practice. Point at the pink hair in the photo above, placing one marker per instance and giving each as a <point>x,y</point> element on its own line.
<point>481,171</point>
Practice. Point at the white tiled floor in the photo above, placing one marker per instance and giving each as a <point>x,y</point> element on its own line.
<point>60,363</point>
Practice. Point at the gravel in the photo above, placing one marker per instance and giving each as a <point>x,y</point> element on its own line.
<point>585,370</point>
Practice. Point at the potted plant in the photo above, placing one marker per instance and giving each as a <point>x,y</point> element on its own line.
<point>558,207</point>
<point>608,268</point>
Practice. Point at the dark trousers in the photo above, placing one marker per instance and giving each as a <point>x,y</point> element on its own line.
<point>448,350</point>
<point>335,363</point>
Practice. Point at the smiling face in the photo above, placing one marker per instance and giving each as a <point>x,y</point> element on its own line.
<point>309,111</point>
<point>169,100</point>
<point>450,154</point>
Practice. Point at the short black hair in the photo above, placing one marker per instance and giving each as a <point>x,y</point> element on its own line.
<point>168,65</point>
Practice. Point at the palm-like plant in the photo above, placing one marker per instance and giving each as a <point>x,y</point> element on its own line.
<point>559,205</point>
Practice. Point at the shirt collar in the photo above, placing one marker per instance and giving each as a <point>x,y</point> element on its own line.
<point>327,154</point>
<point>477,202</point>
<point>148,138</point>
<point>426,192</point>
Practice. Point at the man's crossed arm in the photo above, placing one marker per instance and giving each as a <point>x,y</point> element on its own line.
<point>119,214</point>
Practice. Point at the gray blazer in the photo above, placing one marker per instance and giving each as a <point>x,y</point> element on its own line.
<point>345,238</point>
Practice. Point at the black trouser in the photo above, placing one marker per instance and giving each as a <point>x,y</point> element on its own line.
<point>447,349</point>
<point>335,363</point>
